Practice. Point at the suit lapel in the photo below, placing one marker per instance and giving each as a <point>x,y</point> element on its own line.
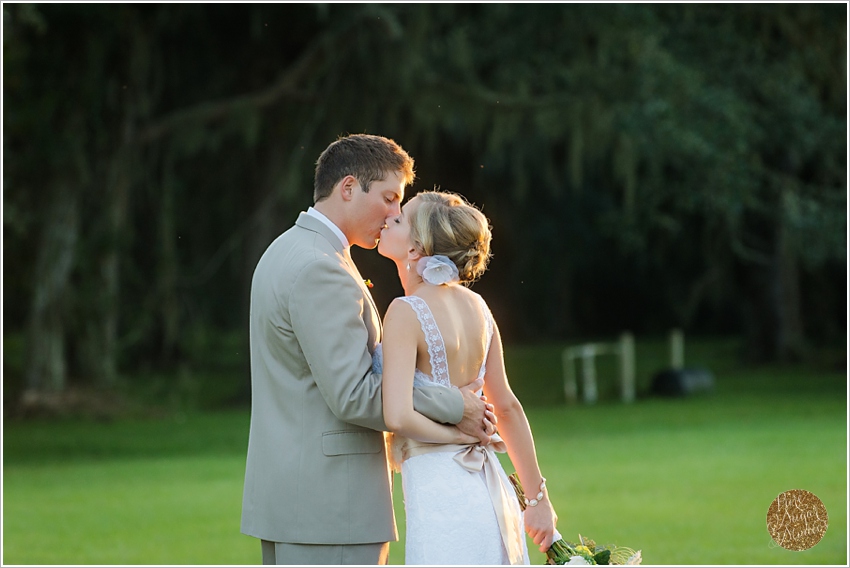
<point>312,224</point>
<point>366,292</point>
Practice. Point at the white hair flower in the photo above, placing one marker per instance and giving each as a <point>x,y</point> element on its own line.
<point>437,269</point>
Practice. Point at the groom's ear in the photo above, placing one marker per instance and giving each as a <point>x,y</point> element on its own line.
<point>346,187</point>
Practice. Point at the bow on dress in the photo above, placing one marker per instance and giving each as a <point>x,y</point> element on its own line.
<point>475,458</point>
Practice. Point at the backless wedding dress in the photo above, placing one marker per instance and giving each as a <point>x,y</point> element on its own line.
<point>459,504</point>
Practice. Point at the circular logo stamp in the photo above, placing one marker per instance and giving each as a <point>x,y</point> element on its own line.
<point>797,520</point>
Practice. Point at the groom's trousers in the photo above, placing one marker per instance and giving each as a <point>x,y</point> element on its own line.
<point>328,554</point>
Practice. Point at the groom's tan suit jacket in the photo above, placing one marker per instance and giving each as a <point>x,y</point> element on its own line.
<point>317,469</point>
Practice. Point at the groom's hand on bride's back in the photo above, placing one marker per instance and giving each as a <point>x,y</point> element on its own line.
<point>478,420</point>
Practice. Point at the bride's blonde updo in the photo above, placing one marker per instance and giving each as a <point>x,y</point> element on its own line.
<point>445,223</point>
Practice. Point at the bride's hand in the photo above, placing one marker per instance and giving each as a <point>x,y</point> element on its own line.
<point>540,524</point>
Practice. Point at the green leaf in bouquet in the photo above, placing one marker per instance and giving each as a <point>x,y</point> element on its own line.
<point>559,553</point>
<point>603,556</point>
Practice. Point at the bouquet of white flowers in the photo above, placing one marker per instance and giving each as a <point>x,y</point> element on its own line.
<point>585,551</point>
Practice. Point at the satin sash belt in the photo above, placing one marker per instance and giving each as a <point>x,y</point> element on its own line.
<point>475,458</point>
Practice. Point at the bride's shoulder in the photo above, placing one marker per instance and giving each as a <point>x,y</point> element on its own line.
<point>405,301</point>
<point>401,307</point>
<point>402,318</point>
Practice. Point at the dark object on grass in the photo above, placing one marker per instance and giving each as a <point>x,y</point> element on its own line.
<point>682,382</point>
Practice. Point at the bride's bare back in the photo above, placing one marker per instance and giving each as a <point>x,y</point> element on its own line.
<point>461,321</point>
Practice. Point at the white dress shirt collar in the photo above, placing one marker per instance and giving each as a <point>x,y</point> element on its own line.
<point>336,231</point>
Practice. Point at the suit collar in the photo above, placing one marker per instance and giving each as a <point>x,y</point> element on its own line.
<point>333,227</point>
<point>311,223</point>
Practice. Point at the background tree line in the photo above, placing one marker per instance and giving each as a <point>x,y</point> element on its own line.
<point>644,166</point>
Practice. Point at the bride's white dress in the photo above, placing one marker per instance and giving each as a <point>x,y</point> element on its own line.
<point>450,514</point>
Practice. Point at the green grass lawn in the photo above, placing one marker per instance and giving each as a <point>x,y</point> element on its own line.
<point>687,481</point>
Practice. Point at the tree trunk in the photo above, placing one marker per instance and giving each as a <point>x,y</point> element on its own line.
<point>46,364</point>
<point>789,340</point>
<point>772,308</point>
<point>168,271</point>
<point>102,331</point>
<point>118,192</point>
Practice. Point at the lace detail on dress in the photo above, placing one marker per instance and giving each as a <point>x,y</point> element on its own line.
<point>434,339</point>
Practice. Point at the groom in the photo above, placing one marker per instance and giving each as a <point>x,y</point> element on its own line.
<point>317,482</point>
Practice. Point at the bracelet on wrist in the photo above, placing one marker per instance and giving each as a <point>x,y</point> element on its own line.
<point>534,502</point>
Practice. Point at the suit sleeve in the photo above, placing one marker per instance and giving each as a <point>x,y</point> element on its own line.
<point>439,403</point>
<point>327,307</point>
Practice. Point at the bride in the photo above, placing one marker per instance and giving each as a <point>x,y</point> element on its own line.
<point>459,504</point>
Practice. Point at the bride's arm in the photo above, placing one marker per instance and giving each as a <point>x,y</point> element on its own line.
<point>401,332</point>
<point>515,431</point>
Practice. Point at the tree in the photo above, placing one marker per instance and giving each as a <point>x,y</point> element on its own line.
<point>643,165</point>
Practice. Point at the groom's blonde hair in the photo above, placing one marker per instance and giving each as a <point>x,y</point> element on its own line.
<point>366,157</point>
<point>445,223</point>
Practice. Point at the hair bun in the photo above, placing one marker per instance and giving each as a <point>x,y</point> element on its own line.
<point>445,223</point>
